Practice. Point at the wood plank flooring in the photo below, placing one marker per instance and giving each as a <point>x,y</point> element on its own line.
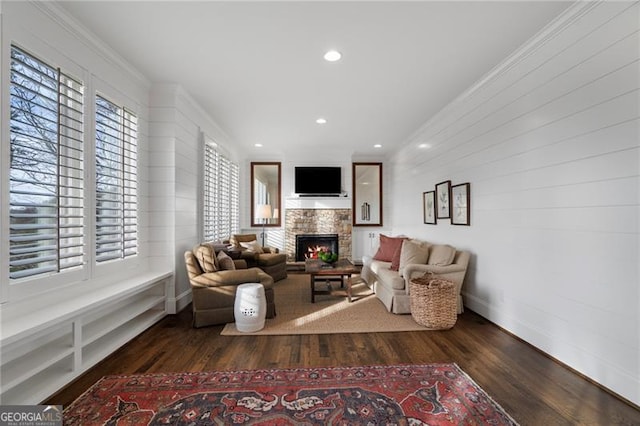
<point>534,389</point>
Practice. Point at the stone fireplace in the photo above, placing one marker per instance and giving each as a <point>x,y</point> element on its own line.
<point>318,221</point>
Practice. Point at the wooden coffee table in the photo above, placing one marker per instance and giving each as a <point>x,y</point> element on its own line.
<point>335,272</point>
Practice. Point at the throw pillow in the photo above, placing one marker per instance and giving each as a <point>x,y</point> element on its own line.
<point>236,239</point>
<point>413,252</point>
<point>225,262</point>
<point>252,246</point>
<point>441,255</point>
<point>395,260</point>
<point>206,258</point>
<point>388,246</point>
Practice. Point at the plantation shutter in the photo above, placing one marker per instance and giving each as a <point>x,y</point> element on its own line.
<point>210,231</point>
<point>46,168</point>
<point>116,182</point>
<point>221,197</point>
<point>234,198</point>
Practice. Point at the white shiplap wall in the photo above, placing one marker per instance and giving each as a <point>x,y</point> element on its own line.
<point>162,201</point>
<point>176,124</point>
<point>549,141</point>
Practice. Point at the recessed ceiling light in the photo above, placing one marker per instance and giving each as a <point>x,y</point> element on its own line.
<point>332,56</point>
<point>258,145</point>
<point>424,146</point>
<point>377,145</point>
<point>321,120</point>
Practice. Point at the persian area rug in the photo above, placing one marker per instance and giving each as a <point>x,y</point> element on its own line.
<point>433,394</point>
<point>330,314</point>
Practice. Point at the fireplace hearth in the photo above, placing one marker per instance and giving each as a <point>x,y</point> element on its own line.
<point>308,245</point>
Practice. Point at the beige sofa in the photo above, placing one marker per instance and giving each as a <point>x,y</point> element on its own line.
<point>392,287</point>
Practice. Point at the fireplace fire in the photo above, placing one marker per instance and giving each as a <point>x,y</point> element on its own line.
<point>312,252</point>
<point>309,245</point>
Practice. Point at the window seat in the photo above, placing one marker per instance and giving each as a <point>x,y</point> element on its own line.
<point>46,344</point>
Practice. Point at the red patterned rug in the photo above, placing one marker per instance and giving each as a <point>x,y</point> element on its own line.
<point>433,394</point>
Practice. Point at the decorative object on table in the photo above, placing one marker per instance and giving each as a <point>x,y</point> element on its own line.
<point>429,207</point>
<point>461,204</point>
<point>443,196</point>
<point>250,307</point>
<point>396,394</point>
<point>327,256</point>
<point>433,302</point>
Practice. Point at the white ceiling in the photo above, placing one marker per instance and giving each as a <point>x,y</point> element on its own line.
<point>257,67</point>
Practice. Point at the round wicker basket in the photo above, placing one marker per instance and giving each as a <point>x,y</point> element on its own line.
<point>433,302</point>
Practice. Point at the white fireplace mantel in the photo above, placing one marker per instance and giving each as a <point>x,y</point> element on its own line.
<point>317,203</point>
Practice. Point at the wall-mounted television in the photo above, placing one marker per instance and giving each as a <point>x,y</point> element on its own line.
<point>318,181</point>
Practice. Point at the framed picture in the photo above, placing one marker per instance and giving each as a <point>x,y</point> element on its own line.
<point>443,195</point>
<point>460,209</point>
<point>429,207</point>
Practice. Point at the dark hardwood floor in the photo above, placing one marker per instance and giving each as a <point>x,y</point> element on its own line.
<point>534,389</point>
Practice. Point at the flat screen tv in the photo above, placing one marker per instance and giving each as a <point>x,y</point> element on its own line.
<point>318,181</point>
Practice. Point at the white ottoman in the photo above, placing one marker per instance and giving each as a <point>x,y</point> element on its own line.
<point>250,307</point>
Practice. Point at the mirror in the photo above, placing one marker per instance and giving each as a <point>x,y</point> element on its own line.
<point>265,194</point>
<point>367,194</point>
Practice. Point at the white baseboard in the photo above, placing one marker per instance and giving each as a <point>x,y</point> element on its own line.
<point>625,384</point>
<point>176,304</point>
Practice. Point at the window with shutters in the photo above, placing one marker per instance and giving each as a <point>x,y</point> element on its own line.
<point>221,199</point>
<point>116,182</point>
<point>46,194</point>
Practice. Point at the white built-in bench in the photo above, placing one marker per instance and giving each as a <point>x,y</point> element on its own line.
<point>46,346</point>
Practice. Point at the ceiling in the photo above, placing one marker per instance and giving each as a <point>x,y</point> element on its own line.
<point>257,67</point>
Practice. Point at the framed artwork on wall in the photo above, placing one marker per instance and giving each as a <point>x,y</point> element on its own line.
<point>443,196</point>
<point>429,207</point>
<point>461,208</point>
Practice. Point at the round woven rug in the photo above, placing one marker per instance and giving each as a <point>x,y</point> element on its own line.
<point>330,314</point>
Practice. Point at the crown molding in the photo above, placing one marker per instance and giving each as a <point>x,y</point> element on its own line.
<point>182,93</point>
<point>59,15</point>
<point>570,15</point>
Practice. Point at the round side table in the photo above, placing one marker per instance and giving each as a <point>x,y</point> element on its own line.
<point>250,307</point>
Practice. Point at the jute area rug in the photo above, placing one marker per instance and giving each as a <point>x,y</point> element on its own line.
<point>330,314</point>
<point>433,394</point>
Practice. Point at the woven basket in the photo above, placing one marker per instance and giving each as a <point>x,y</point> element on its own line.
<point>433,302</point>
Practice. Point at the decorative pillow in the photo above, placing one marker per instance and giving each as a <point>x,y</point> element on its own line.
<point>236,239</point>
<point>252,246</point>
<point>206,258</point>
<point>413,252</point>
<point>388,246</point>
<point>395,260</point>
<point>225,262</point>
<point>441,255</point>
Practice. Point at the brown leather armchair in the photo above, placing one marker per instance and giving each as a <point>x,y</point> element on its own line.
<point>214,290</point>
<point>271,261</point>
